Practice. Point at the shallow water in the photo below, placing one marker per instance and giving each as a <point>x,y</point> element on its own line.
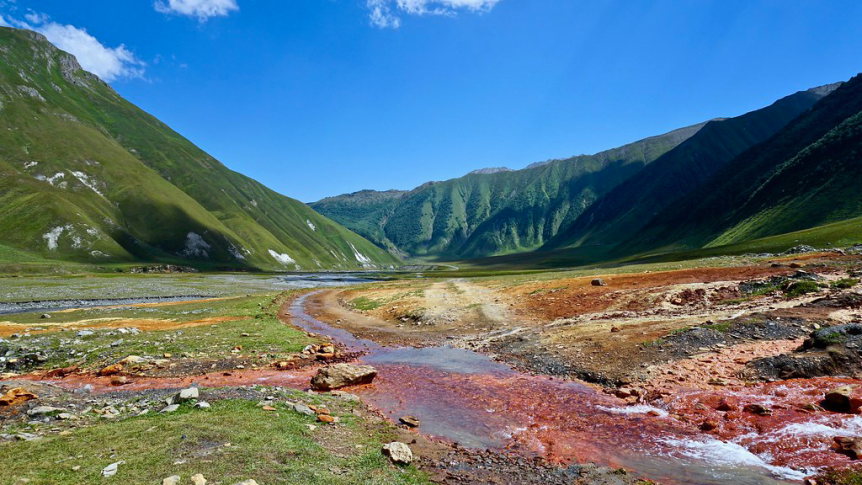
<point>468,398</point>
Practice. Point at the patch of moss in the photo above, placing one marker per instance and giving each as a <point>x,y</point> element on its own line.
<point>845,283</point>
<point>799,288</point>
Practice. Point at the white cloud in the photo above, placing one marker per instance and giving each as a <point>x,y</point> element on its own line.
<point>109,63</point>
<point>385,13</point>
<point>202,9</point>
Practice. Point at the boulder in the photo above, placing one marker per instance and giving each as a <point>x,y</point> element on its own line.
<point>187,394</point>
<point>44,411</point>
<point>842,399</point>
<point>111,370</point>
<point>398,452</point>
<point>15,396</point>
<point>850,446</point>
<point>342,375</point>
<point>411,421</point>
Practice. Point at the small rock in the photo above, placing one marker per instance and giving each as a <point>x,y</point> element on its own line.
<point>758,409</point>
<point>841,400</point>
<point>851,447</point>
<point>43,410</point>
<point>119,380</point>
<point>111,370</point>
<point>84,333</point>
<point>303,409</point>
<point>708,425</point>
<point>246,482</point>
<point>411,421</point>
<point>171,480</point>
<point>187,394</point>
<point>325,418</point>
<point>615,329</point>
<point>132,360</point>
<point>202,405</point>
<point>45,316</point>
<point>111,469</point>
<point>598,282</point>
<point>170,409</point>
<point>198,479</point>
<point>268,408</point>
<point>398,452</point>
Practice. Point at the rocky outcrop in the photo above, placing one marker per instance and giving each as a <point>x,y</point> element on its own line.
<point>830,351</point>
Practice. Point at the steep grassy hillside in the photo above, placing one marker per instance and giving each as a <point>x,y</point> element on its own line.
<point>809,174</point>
<point>87,176</point>
<point>483,214</point>
<point>624,211</point>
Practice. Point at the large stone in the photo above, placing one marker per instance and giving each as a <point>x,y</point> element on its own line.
<point>398,452</point>
<point>342,375</point>
<point>198,479</point>
<point>16,396</point>
<point>44,410</point>
<point>842,399</point>
<point>851,447</point>
<point>111,370</point>
<point>187,394</point>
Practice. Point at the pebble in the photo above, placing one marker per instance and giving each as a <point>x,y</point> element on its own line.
<point>111,469</point>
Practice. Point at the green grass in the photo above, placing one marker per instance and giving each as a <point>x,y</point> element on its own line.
<point>845,283</point>
<point>269,447</point>
<point>799,288</point>
<point>266,335</point>
<point>363,303</point>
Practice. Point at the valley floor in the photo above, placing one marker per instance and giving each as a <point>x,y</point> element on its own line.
<point>733,353</point>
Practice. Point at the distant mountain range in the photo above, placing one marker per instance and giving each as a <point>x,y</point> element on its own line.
<point>87,176</point>
<point>771,178</point>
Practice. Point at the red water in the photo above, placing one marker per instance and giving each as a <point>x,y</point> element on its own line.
<point>468,398</point>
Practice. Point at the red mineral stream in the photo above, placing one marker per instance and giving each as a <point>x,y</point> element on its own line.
<point>468,398</point>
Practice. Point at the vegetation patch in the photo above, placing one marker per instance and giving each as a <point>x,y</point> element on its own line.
<point>364,303</point>
<point>799,288</point>
<point>845,283</point>
<point>246,443</point>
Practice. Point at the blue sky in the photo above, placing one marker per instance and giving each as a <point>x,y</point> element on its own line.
<point>321,97</point>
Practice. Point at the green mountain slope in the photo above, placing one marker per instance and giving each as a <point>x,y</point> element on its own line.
<point>87,176</point>
<point>809,174</point>
<point>490,212</point>
<point>624,211</point>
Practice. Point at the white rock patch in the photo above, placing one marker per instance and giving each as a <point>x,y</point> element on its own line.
<point>283,258</point>
<point>196,246</point>
<point>52,237</point>
<point>90,182</point>
<point>311,225</point>
<point>361,258</point>
<point>30,165</point>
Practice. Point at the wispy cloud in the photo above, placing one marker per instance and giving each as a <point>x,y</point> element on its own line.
<point>109,63</point>
<point>202,9</point>
<point>4,23</point>
<point>387,13</point>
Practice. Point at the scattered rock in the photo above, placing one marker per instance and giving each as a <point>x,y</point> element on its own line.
<point>170,409</point>
<point>302,409</point>
<point>851,447</point>
<point>842,400</point>
<point>44,411</point>
<point>398,452</point>
<point>111,370</point>
<point>411,421</point>
<point>187,394</point>
<point>111,469</point>
<point>342,375</point>
<point>758,409</point>
<point>325,418</point>
<point>16,396</point>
